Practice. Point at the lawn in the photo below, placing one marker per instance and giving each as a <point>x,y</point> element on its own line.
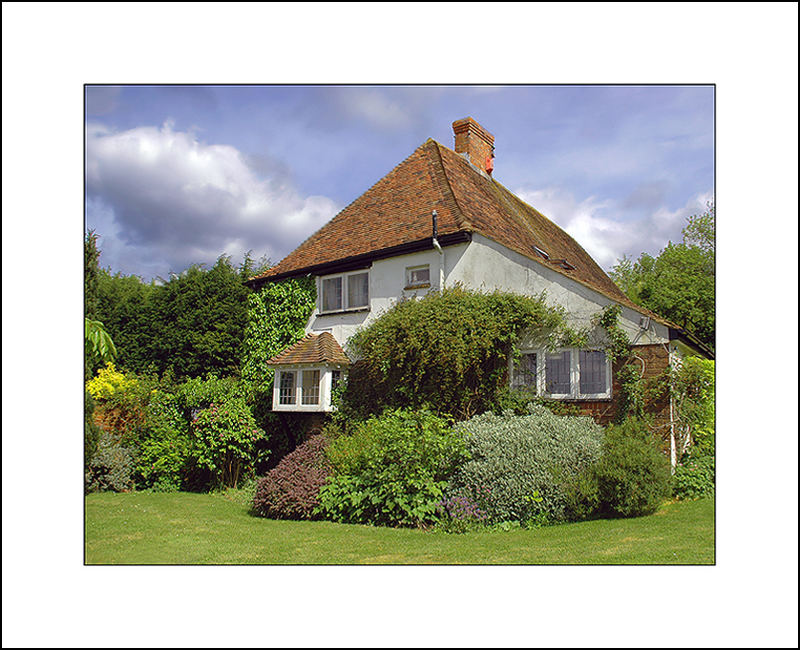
<point>185,528</point>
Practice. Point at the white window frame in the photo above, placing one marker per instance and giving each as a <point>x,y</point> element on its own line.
<point>324,387</point>
<point>417,285</point>
<point>345,294</point>
<point>574,393</point>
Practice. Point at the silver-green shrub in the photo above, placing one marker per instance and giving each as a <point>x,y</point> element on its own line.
<point>520,467</point>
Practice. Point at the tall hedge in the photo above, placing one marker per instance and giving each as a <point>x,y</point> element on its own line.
<point>447,351</point>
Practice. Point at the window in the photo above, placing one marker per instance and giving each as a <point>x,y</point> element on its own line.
<point>332,294</point>
<point>592,372</point>
<point>357,290</point>
<point>336,378</point>
<point>524,373</point>
<point>347,291</point>
<point>310,389</point>
<point>557,373</point>
<point>418,276</point>
<point>286,391</point>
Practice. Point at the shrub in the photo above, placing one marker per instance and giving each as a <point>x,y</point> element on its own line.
<point>165,445</point>
<point>111,468</point>
<point>291,489</point>
<point>391,470</point>
<point>107,382</point>
<point>225,439</point>
<point>91,432</point>
<point>447,351</point>
<point>458,514</point>
<point>517,460</point>
<point>633,475</point>
<point>694,477</point>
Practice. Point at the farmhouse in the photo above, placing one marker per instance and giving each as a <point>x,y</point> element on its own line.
<point>440,218</point>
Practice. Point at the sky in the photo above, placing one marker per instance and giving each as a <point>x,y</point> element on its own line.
<point>179,175</point>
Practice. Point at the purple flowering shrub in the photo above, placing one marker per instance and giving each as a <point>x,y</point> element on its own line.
<point>291,489</point>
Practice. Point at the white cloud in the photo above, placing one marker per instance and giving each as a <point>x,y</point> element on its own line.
<point>162,200</point>
<point>592,224</point>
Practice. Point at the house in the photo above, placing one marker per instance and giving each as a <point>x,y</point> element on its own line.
<point>439,218</point>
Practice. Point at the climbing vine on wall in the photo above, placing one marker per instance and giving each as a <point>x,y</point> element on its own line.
<point>277,317</point>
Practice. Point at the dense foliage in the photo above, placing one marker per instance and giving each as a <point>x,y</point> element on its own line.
<point>111,467</point>
<point>391,470</point>
<point>447,351</point>
<point>291,489</point>
<point>633,474</point>
<point>679,283</point>
<point>191,325</point>
<point>693,393</point>
<point>520,466</point>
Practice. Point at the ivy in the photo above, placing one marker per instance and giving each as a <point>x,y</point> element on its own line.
<point>632,398</point>
<point>277,318</point>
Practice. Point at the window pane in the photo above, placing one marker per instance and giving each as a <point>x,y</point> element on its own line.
<point>286,388</point>
<point>310,387</point>
<point>557,373</point>
<point>524,372</point>
<point>593,372</point>
<point>358,290</point>
<point>419,276</point>
<point>336,377</point>
<point>331,294</point>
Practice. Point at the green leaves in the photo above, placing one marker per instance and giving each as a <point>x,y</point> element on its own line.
<point>447,351</point>
<point>98,342</point>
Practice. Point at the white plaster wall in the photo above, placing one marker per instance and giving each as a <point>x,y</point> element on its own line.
<point>387,281</point>
<point>487,265</point>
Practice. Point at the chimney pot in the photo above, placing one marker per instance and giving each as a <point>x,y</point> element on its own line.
<point>475,143</point>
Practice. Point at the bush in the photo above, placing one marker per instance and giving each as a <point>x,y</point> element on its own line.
<point>447,351</point>
<point>291,489</point>
<point>91,432</point>
<point>165,445</point>
<point>633,475</point>
<point>695,477</point>
<point>111,468</point>
<point>391,470</point>
<point>225,438</point>
<point>458,514</point>
<point>520,466</point>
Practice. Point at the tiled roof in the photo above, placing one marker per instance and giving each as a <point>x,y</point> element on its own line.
<point>314,348</point>
<point>397,210</point>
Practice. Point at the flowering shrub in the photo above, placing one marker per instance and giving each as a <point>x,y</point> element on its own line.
<point>457,514</point>
<point>225,437</point>
<point>107,382</point>
<point>391,470</point>
<point>520,466</point>
<point>291,489</point>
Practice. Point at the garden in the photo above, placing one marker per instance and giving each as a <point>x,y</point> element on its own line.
<point>434,443</point>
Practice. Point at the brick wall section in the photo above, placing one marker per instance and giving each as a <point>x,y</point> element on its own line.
<point>656,361</point>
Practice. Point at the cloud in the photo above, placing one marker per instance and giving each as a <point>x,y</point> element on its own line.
<point>162,200</point>
<point>596,224</point>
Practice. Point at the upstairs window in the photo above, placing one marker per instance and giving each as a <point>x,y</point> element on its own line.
<point>418,276</point>
<point>346,291</point>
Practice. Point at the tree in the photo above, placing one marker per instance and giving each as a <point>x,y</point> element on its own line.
<point>679,283</point>
<point>90,274</point>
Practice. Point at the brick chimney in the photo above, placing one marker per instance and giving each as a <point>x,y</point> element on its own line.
<point>475,143</point>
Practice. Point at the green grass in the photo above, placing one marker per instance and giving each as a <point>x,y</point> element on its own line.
<point>185,528</point>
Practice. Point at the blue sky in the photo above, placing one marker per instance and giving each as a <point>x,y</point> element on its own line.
<point>181,174</point>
